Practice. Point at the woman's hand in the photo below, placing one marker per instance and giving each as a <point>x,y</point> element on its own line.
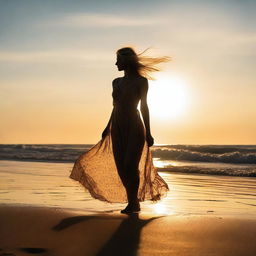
<point>149,139</point>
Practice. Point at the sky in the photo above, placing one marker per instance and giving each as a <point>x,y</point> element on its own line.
<point>57,63</point>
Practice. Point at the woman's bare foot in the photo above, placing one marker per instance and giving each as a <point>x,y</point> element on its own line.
<point>131,208</point>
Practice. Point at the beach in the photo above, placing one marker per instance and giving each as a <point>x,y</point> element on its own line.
<point>44,212</point>
<point>99,98</point>
<point>49,231</point>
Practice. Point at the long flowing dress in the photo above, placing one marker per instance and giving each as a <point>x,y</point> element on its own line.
<point>101,169</point>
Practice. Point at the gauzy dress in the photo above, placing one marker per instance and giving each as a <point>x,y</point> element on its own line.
<point>104,169</point>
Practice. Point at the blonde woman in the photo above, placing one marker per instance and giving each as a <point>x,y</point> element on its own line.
<point>119,168</point>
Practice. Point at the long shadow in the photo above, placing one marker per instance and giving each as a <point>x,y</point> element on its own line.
<point>65,223</point>
<point>126,239</point>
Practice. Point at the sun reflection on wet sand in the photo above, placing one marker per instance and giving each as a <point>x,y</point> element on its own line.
<point>161,208</point>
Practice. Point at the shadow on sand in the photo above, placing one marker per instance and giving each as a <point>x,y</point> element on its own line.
<point>124,241</point>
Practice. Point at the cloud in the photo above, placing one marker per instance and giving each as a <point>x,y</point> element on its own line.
<point>53,56</point>
<point>103,20</point>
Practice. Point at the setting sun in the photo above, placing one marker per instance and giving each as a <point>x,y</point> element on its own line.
<point>167,97</point>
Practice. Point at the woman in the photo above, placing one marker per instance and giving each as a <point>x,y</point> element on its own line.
<point>119,168</point>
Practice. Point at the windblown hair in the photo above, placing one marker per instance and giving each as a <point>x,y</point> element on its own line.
<point>144,65</point>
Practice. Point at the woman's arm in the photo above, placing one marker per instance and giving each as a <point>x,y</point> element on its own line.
<point>145,111</point>
<point>106,130</point>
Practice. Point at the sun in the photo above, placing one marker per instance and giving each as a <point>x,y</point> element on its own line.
<point>167,97</point>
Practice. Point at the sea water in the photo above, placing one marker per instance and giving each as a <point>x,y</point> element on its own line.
<point>38,175</point>
<point>232,160</point>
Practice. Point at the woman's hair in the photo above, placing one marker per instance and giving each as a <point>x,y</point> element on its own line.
<point>144,65</point>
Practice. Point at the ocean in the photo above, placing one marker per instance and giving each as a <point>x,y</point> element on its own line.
<point>203,179</point>
<point>230,160</point>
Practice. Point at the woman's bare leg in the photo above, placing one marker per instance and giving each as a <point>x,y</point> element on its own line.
<point>131,170</point>
<point>127,153</point>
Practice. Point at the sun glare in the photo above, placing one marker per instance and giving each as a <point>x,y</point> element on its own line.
<point>160,208</point>
<point>167,97</point>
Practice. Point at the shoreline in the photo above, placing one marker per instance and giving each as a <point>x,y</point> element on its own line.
<point>48,184</point>
<point>190,170</point>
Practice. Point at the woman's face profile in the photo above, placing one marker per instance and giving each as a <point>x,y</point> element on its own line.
<point>120,63</point>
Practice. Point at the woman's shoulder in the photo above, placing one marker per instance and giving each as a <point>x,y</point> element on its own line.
<point>143,78</point>
<point>142,82</point>
<point>115,82</point>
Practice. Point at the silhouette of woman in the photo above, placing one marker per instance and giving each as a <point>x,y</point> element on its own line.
<point>119,168</point>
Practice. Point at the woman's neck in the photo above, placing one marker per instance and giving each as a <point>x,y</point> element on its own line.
<point>129,73</point>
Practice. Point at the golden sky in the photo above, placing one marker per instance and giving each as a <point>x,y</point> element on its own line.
<point>57,66</point>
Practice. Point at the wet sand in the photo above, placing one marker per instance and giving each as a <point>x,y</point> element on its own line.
<point>44,212</point>
<point>51,231</point>
<point>48,184</point>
